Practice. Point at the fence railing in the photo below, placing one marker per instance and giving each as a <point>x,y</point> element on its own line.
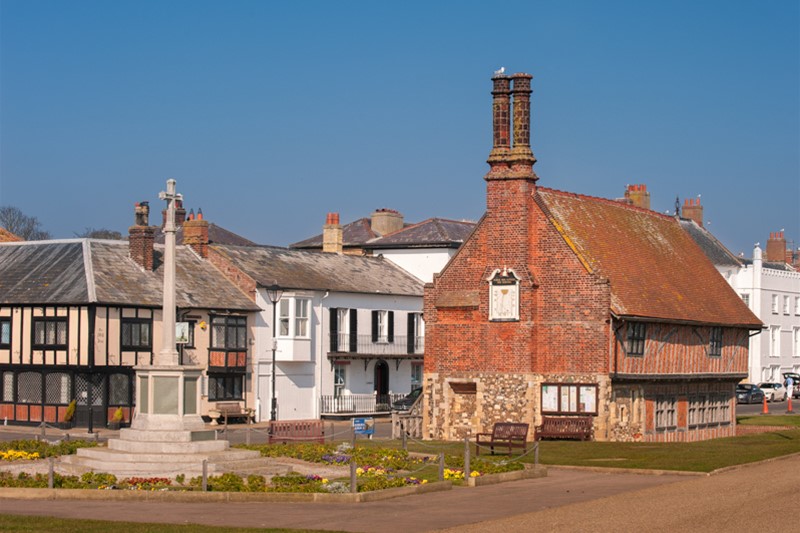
<point>379,345</point>
<point>358,404</point>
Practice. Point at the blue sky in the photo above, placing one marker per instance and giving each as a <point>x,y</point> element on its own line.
<point>271,114</point>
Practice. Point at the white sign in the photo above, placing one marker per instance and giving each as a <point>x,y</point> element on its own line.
<point>181,333</point>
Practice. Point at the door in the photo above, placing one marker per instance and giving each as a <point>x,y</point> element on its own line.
<point>90,393</point>
<point>382,382</point>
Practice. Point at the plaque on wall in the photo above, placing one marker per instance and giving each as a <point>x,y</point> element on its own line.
<point>503,295</point>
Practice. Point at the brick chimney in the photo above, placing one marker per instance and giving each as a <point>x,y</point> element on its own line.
<point>332,234</point>
<point>638,196</point>
<point>141,237</point>
<point>507,161</point>
<point>385,221</point>
<point>195,234</point>
<point>180,215</point>
<point>776,247</point>
<point>692,210</point>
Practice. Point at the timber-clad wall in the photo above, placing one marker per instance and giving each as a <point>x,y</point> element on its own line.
<point>682,349</point>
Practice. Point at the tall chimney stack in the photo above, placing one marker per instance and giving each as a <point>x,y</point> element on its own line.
<point>692,210</point>
<point>141,237</point>
<point>385,221</point>
<point>332,234</point>
<point>501,125</point>
<point>637,195</point>
<point>195,234</point>
<point>516,162</point>
<point>776,247</point>
<point>180,215</point>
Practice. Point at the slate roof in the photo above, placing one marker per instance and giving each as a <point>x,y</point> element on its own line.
<point>302,269</point>
<point>216,235</point>
<point>716,252</point>
<point>83,271</point>
<point>430,233</point>
<point>355,233</point>
<point>655,268</point>
<point>434,232</point>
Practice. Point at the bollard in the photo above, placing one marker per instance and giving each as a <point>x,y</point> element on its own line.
<point>789,405</point>
<point>536,454</point>
<point>44,429</point>
<point>66,437</point>
<point>441,466</point>
<point>466,458</point>
<point>405,436</point>
<point>97,437</point>
<point>50,474</point>
<point>353,476</point>
<point>247,437</point>
<point>205,475</point>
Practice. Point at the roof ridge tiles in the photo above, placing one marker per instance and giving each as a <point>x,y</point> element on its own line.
<point>609,201</point>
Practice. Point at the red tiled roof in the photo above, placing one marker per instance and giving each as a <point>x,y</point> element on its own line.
<point>655,268</point>
<point>7,236</point>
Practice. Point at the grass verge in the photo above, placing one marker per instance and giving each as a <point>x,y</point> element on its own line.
<point>43,524</point>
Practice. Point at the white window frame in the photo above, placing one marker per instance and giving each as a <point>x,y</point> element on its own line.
<point>774,341</point>
<point>294,314</point>
<point>797,305</point>
<point>383,326</point>
<point>416,375</point>
<point>796,343</point>
<point>786,303</point>
<point>339,379</point>
<point>665,413</point>
<point>745,298</point>
<point>775,304</point>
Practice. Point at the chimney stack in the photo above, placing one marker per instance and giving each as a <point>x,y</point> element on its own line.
<point>385,221</point>
<point>638,196</point>
<point>141,237</point>
<point>332,234</point>
<point>776,247</point>
<point>180,215</point>
<point>511,161</point>
<point>195,234</point>
<point>692,210</point>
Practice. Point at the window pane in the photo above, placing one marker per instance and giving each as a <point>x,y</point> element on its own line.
<point>61,332</point>
<point>5,332</point>
<point>218,336</point>
<point>57,388</point>
<point>29,387</point>
<point>118,389</point>
<point>8,386</point>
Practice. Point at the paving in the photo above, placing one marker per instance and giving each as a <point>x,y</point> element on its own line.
<point>566,500</point>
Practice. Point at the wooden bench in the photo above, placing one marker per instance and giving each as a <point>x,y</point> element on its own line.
<point>283,431</point>
<point>568,427</point>
<point>233,410</point>
<point>504,435</point>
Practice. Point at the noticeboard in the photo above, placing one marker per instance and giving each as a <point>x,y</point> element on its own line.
<point>363,426</point>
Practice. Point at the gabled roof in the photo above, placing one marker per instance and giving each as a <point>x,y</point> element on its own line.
<point>716,252</point>
<point>355,233</point>
<point>7,236</point>
<point>433,233</point>
<point>301,269</point>
<point>430,233</point>
<point>84,271</point>
<point>654,267</point>
<point>216,235</point>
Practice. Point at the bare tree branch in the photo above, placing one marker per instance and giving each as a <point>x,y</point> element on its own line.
<point>22,225</point>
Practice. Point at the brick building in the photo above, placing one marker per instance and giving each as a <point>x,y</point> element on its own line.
<point>561,304</point>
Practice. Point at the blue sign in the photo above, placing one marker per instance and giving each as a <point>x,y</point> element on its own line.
<point>363,426</point>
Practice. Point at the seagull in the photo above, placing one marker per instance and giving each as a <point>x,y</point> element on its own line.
<point>500,71</point>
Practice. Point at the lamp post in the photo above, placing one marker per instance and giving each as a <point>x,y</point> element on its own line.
<point>274,293</point>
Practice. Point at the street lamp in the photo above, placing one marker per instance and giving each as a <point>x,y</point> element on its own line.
<point>274,293</point>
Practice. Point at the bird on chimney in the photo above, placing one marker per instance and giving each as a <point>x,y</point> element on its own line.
<point>500,71</point>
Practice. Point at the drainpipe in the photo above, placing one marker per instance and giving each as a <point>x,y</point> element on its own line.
<point>90,353</point>
<point>321,345</point>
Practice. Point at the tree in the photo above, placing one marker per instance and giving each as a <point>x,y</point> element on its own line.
<point>22,225</point>
<point>101,233</point>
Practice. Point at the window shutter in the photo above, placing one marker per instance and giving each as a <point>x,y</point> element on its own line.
<point>334,329</point>
<point>374,326</point>
<point>353,330</point>
<point>391,326</point>
<point>410,332</point>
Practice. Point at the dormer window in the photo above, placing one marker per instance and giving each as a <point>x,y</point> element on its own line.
<point>503,296</point>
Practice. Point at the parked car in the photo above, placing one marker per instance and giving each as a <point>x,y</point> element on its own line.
<point>775,392</point>
<point>749,393</point>
<point>405,403</point>
<point>796,387</point>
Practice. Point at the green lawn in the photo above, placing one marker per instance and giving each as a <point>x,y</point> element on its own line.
<point>40,524</point>
<point>769,420</point>
<point>703,456</point>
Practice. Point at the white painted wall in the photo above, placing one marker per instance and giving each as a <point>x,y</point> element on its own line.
<point>302,380</point>
<point>420,262</point>
<point>760,284</point>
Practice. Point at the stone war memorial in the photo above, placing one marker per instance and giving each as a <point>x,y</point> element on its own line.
<point>564,309</point>
<point>167,436</point>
